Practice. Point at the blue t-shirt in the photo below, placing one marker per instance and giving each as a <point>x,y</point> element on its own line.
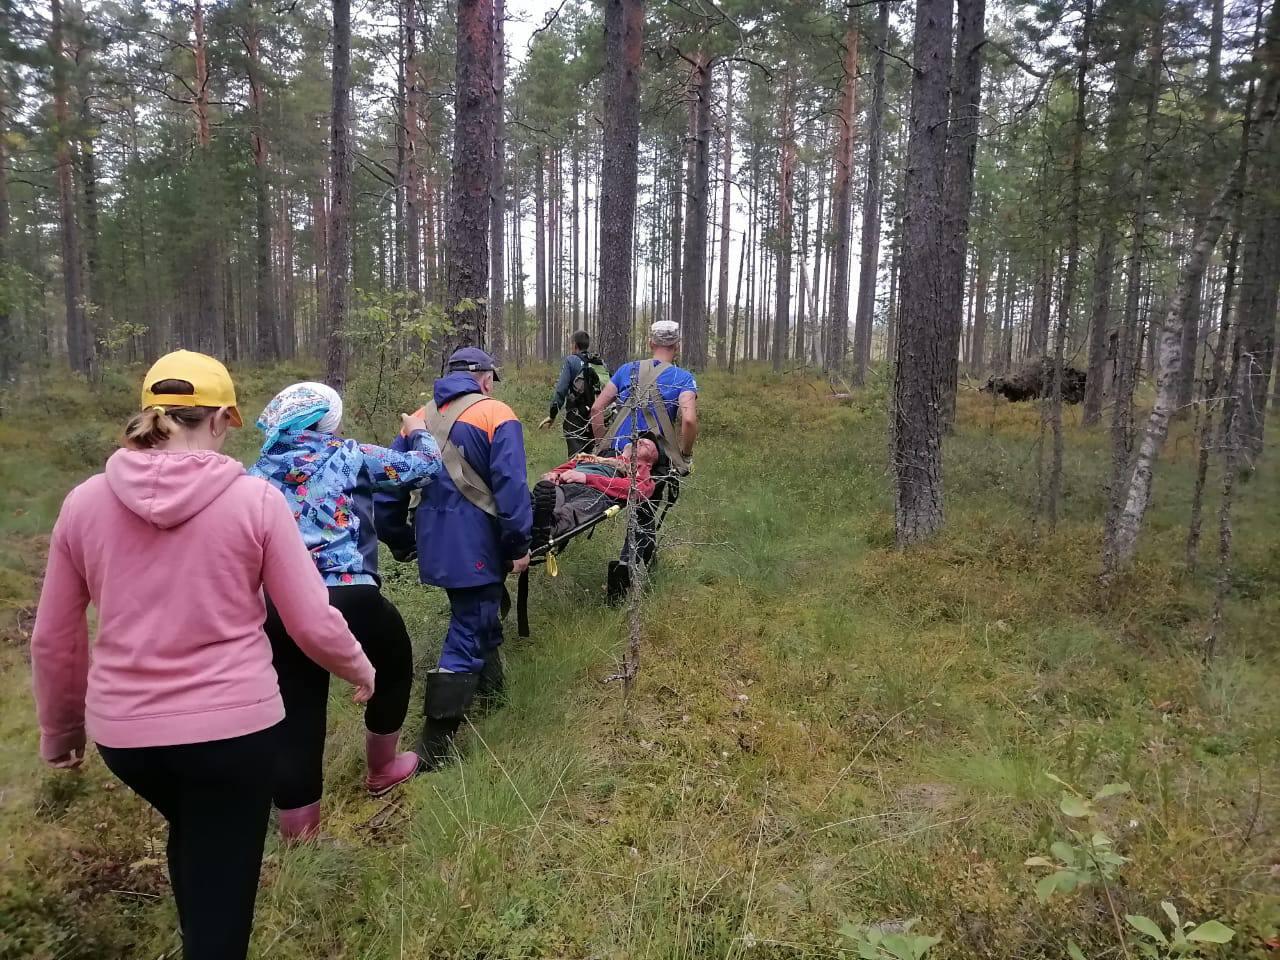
<point>671,383</point>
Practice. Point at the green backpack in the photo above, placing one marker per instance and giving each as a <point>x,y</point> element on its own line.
<point>588,384</point>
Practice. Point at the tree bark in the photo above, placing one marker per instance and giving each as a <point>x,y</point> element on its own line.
<point>919,383</point>
<point>1067,298</point>
<point>412,178</point>
<point>978,350</point>
<point>841,206</point>
<point>79,346</point>
<point>1115,191</point>
<point>339,229</point>
<point>1124,542</point>
<point>467,229</point>
<point>540,255</point>
<point>92,293</point>
<point>1260,264</point>
<point>870,259</point>
<point>268,333</point>
<point>623,33</point>
<point>693,294</point>
<point>962,145</point>
<point>1191,318</point>
<point>786,176</point>
<point>726,184</point>
<point>8,346</point>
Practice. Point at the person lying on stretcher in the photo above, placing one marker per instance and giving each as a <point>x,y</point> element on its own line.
<point>582,489</point>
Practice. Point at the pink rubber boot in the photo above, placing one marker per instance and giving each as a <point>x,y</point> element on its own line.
<point>300,824</point>
<point>387,768</point>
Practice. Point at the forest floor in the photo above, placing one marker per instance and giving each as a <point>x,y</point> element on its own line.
<point>824,732</point>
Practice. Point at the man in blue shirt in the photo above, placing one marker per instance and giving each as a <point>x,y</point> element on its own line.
<point>666,407</point>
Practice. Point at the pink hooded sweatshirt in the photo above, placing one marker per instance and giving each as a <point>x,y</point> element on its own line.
<point>174,549</point>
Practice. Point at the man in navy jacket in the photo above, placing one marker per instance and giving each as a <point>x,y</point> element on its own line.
<point>465,549</point>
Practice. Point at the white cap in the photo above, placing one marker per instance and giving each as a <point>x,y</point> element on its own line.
<point>665,333</point>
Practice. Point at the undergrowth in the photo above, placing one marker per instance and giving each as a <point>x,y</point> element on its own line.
<point>828,738</point>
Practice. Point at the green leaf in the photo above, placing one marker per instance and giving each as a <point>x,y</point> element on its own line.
<point>1058,780</point>
<point>1171,912</point>
<point>1038,862</point>
<point>1074,951</point>
<point>1147,927</point>
<point>1046,887</point>
<point>1073,806</point>
<point>1111,790</point>
<point>1211,931</point>
<point>1064,852</point>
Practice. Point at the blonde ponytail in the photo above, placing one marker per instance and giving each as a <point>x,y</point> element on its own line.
<point>151,427</point>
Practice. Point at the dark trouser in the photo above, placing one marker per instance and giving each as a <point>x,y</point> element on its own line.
<point>304,685</point>
<point>577,431</point>
<point>575,504</point>
<point>475,628</point>
<point>643,543</point>
<point>217,799</point>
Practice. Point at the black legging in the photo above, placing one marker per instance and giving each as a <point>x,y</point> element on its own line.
<point>304,685</point>
<point>217,799</point>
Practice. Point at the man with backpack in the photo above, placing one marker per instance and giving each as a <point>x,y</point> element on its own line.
<point>583,376</point>
<point>657,397</point>
<point>470,530</point>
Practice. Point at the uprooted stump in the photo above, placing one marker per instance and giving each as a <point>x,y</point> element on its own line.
<point>1031,382</point>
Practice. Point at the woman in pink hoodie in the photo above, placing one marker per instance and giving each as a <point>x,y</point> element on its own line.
<point>173,545</point>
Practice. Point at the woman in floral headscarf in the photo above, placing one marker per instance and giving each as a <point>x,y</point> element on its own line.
<point>329,483</point>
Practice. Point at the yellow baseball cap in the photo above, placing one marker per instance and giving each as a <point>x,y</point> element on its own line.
<point>209,378</point>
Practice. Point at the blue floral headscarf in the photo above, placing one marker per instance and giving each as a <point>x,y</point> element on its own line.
<point>301,406</point>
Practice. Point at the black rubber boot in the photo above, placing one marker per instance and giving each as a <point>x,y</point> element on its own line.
<point>448,697</point>
<point>489,692</point>
<point>544,505</point>
<point>619,582</point>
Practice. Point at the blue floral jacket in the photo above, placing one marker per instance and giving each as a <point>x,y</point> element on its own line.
<point>330,482</point>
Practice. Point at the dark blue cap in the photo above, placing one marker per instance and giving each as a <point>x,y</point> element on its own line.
<point>474,360</point>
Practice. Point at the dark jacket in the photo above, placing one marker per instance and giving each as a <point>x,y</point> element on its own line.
<point>576,415</point>
<point>459,545</point>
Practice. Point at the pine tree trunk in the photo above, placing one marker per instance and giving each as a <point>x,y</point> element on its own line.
<point>268,333</point>
<point>339,227</point>
<point>841,207</point>
<point>682,163</point>
<point>498,206</point>
<point>978,349</point>
<point>726,184</point>
<point>467,229</point>
<point>540,255</point>
<point>1067,297</point>
<point>870,256</point>
<point>1116,187</point>
<point>786,175</point>
<point>1260,263</point>
<point>623,32</point>
<point>693,295</point>
<point>920,375</point>
<point>79,346</point>
<point>8,347</point>
<point>412,178</point>
<point>1127,346</point>
<point>1212,400</point>
<point>95,319</point>
<point>962,145</point>
<point>1191,319</point>
<point>802,282</point>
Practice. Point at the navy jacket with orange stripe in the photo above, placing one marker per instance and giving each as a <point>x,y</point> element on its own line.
<point>459,545</point>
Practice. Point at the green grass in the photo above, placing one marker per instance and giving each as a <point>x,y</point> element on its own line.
<point>823,728</point>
